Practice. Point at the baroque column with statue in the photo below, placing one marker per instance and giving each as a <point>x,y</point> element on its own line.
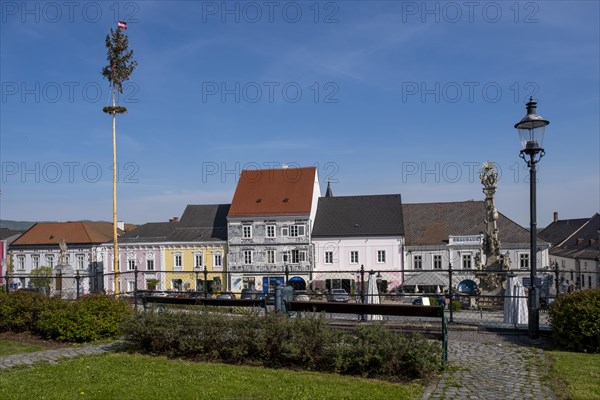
<point>494,268</point>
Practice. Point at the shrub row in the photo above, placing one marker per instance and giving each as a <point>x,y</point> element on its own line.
<point>275,340</point>
<point>575,320</point>
<point>87,319</point>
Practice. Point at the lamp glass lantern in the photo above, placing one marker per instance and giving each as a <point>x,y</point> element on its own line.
<point>531,129</point>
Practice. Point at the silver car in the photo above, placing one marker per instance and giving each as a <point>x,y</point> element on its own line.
<point>338,296</point>
<point>301,295</point>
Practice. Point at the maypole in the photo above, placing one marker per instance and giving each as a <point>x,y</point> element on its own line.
<point>119,68</point>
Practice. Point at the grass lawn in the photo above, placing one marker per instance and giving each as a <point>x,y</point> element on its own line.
<point>131,377</point>
<point>8,347</point>
<point>575,376</point>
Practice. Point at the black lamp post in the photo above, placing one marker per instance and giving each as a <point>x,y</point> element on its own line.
<point>531,132</point>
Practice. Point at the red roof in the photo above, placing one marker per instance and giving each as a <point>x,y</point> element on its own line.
<point>286,191</point>
<point>45,233</point>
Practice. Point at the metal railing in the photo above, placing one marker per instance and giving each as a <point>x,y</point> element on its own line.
<point>459,291</point>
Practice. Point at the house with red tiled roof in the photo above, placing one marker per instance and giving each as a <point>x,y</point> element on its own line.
<point>269,228</point>
<point>40,246</point>
<point>575,251</point>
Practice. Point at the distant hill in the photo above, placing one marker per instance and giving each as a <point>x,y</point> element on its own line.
<point>16,225</point>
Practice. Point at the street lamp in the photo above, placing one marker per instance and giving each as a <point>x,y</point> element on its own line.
<point>531,132</point>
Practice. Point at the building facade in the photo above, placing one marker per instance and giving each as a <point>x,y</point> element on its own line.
<point>358,232</point>
<point>269,228</point>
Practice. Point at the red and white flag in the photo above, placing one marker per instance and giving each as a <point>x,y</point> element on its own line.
<point>122,25</point>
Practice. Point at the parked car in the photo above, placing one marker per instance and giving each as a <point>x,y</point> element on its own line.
<point>249,294</point>
<point>301,295</point>
<point>270,297</point>
<point>338,296</point>
<point>226,296</point>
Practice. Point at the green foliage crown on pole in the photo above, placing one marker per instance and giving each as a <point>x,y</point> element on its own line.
<point>120,65</point>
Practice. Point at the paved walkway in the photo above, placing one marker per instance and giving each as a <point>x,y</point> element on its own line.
<point>52,356</point>
<point>490,366</point>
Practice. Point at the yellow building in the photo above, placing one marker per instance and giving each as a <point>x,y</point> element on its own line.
<point>189,265</point>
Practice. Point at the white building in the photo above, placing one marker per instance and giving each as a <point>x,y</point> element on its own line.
<point>354,232</point>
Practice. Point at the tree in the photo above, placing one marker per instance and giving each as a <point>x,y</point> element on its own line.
<point>41,278</point>
<point>119,69</point>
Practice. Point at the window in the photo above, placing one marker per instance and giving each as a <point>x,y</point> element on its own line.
<point>130,286</point>
<point>150,265</point>
<point>178,261</point>
<point>36,261</point>
<point>247,231</point>
<point>217,260</point>
<point>177,284</point>
<point>198,260</point>
<point>248,283</point>
<point>418,261</point>
<point>68,259</point>
<point>247,256</point>
<point>380,256</point>
<point>50,260</point>
<point>524,261</point>
<point>298,256</point>
<point>284,231</point>
<point>270,256</point>
<point>130,265</point>
<point>270,231</point>
<point>354,257</point>
<point>296,230</point>
<point>466,261</point>
<point>80,261</point>
<point>20,262</point>
<point>437,261</point>
<point>329,257</point>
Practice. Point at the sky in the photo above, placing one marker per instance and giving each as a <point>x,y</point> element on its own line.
<point>408,97</point>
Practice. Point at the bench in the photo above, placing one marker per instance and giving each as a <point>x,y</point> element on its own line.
<point>403,310</point>
<point>200,301</point>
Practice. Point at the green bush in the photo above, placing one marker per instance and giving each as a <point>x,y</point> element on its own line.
<point>376,352</point>
<point>275,340</point>
<point>85,320</point>
<point>456,305</point>
<point>575,320</point>
<point>20,310</point>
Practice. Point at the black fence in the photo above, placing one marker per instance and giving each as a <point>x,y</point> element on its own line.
<point>469,296</point>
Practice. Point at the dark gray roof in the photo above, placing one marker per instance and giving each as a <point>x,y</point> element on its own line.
<point>375,215</point>
<point>582,243</point>
<point>559,230</point>
<point>432,223</point>
<point>6,233</point>
<point>152,232</point>
<point>199,223</point>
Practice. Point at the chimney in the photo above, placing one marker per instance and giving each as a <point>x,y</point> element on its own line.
<point>121,225</point>
<point>555,216</point>
<point>174,219</point>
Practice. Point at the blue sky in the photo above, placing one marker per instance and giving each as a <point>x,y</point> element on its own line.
<point>384,97</point>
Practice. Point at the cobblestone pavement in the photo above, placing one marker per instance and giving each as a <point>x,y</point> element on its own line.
<point>52,356</point>
<point>490,366</point>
